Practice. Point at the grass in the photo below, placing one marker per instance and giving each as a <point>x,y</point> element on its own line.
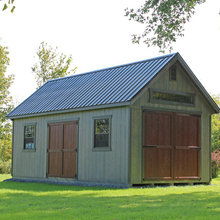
<point>48,201</point>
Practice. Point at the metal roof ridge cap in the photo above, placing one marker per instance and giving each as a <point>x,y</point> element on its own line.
<point>112,67</point>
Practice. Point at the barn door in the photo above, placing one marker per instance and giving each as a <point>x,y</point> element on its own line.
<point>62,149</point>
<point>55,150</point>
<point>171,148</point>
<point>69,149</point>
<point>157,145</point>
<point>186,146</point>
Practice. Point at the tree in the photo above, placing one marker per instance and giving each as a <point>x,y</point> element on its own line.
<point>164,21</point>
<point>5,98</point>
<point>216,127</point>
<point>51,64</point>
<point>5,108</point>
<point>8,4</point>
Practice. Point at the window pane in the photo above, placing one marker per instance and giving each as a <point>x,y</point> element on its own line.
<point>101,140</point>
<point>29,137</point>
<point>29,131</point>
<point>29,145</point>
<point>101,134</point>
<point>188,99</point>
<point>102,126</point>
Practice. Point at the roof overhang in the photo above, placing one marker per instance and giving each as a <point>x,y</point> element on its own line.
<point>96,107</point>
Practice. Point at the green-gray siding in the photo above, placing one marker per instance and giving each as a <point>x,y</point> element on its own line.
<point>105,166</point>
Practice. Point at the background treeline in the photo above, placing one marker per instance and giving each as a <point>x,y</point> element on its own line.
<point>49,64</point>
<point>5,107</point>
<point>216,140</point>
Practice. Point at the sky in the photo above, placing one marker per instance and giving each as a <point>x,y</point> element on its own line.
<point>98,35</point>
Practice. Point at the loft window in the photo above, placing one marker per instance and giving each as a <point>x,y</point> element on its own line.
<point>102,133</point>
<point>29,137</point>
<point>172,97</point>
<point>172,72</point>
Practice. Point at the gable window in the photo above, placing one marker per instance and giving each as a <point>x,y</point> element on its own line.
<point>29,137</point>
<point>102,133</point>
<point>170,97</point>
<point>172,72</point>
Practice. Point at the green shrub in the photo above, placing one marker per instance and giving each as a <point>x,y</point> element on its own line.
<point>215,163</point>
<point>214,169</point>
<point>5,166</point>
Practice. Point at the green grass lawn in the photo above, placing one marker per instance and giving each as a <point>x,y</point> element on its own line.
<point>48,201</point>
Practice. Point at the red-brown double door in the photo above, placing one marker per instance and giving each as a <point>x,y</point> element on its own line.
<point>62,154</point>
<point>171,146</point>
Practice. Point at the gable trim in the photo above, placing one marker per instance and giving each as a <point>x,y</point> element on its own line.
<point>191,75</point>
<point>198,84</point>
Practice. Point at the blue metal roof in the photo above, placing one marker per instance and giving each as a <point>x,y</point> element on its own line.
<point>112,85</point>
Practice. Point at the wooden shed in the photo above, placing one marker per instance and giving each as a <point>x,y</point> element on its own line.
<point>140,123</point>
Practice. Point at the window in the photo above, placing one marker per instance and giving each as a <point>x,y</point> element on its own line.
<point>172,97</point>
<point>29,137</point>
<point>172,72</point>
<point>102,133</point>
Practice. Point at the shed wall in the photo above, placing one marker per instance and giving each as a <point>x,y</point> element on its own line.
<point>97,166</point>
<point>182,84</point>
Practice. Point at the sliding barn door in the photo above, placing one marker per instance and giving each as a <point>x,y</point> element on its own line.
<point>171,146</point>
<point>62,148</point>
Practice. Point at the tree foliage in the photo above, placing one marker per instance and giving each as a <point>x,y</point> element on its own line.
<point>216,127</point>
<point>51,64</point>
<point>164,21</point>
<point>5,108</point>
<point>8,4</point>
<point>5,98</point>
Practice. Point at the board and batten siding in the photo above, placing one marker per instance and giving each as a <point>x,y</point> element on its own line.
<point>182,84</point>
<point>96,166</point>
